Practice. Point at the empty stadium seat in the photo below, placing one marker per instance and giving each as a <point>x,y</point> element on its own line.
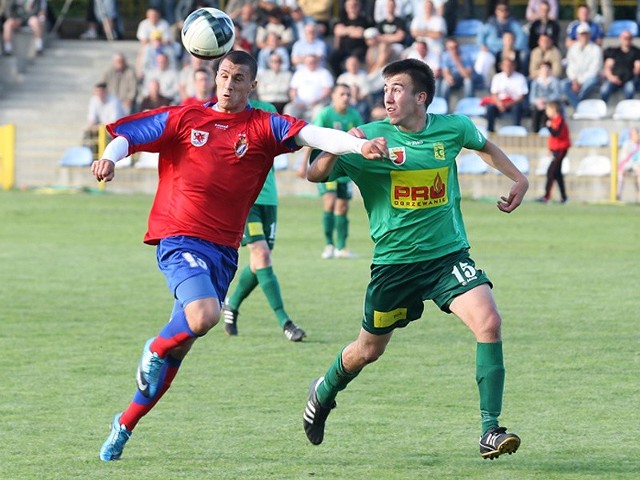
<point>471,163</point>
<point>467,27</point>
<point>520,161</point>
<point>470,106</point>
<point>513,130</point>
<point>594,165</point>
<point>590,109</point>
<point>438,105</point>
<point>627,110</point>
<point>77,157</point>
<point>618,26</point>
<point>592,137</point>
<point>543,165</point>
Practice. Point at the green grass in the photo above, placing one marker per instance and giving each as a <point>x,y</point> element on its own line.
<point>80,293</point>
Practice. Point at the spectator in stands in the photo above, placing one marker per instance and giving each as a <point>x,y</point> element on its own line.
<point>583,15</point>
<point>247,20</point>
<point>320,11</point>
<point>629,161</point>
<point>204,91</point>
<point>234,7</point>
<point>153,98</point>
<point>121,80</point>
<point>32,13</point>
<point>275,23</point>
<point>239,42</point>
<point>348,36</point>
<point>606,8</point>
<point>167,9</point>
<point>310,89</point>
<point>457,72</point>
<point>103,15</point>
<point>153,22</point>
<point>166,76</point>
<point>546,51</point>
<point>536,10</point>
<point>356,78</point>
<point>273,45</point>
<point>273,83</point>
<point>393,29</point>
<point>431,27</point>
<point>490,34</point>
<point>310,44</point>
<point>402,9</point>
<point>379,53</point>
<point>509,91</point>
<point>186,76</point>
<point>104,108</point>
<point>182,10</point>
<point>545,88</point>
<point>148,54</point>
<point>621,68</point>
<point>544,23</point>
<point>584,61</point>
<point>509,51</point>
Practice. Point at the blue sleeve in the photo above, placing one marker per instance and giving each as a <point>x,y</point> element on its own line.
<point>281,128</point>
<point>142,130</point>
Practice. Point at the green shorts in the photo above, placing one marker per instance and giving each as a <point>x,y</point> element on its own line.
<point>396,293</point>
<point>261,225</point>
<point>342,187</point>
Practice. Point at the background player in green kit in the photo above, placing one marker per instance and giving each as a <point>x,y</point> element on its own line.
<point>336,193</point>
<point>259,237</point>
<point>420,245</point>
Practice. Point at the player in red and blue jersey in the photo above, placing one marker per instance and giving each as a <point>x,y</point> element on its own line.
<point>213,161</point>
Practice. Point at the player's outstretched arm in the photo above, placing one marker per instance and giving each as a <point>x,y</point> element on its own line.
<point>104,169</point>
<point>495,157</point>
<point>339,143</point>
<point>321,167</point>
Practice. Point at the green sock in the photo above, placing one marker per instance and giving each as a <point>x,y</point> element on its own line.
<point>490,380</point>
<point>328,223</point>
<point>271,288</point>
<point>335,380</point>
<point>342,231</point>
<point>247,281</point>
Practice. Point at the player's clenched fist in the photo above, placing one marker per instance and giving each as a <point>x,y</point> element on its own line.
<point>103,170</point>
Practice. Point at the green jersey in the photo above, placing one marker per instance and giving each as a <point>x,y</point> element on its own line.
<point>328,117</point>
<point>413,198</point>
<point>269,193</point>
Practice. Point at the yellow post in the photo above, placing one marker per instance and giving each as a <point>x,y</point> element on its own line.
<point>614,167</point>
<point>102,143</point>
<point>7,156</point>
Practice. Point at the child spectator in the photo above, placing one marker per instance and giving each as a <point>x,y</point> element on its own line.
<point>630,161</point>
<point>559,142</point>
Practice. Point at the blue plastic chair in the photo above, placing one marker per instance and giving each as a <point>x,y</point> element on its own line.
<point>467,27</point>
<point>471,163</point>
<point>513,130</point>
<point>77,157</point>
<point>470,106</point>
<point>618,26</point>
<point>592,137</point>
<point>438,105</point>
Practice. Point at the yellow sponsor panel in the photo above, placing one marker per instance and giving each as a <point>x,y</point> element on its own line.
<point>413,189</point>
<point>255,228</point>
<point>386,319</point>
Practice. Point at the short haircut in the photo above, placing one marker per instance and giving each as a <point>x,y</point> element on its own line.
<point>556,105</point>
<point>240,57</point>
<point>420,73</point>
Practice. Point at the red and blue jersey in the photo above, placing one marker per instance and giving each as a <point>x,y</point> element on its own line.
<point>211,167</point>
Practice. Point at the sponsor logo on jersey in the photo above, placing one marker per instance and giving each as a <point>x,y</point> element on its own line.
<point>438,150</point>
<point>416,189</point>
<point>220,126</point>
<point>198,137</point>
<point>397,155</point>
<point>241,146</point>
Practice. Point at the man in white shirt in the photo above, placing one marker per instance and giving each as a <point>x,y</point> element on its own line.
<point>509,91</point>
<point>310,44</point>
<point>310,89</point>
<point>584,62</point>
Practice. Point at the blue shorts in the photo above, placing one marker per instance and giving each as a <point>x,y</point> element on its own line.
<point>183,258</point>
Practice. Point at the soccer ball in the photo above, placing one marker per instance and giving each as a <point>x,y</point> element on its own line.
<point>208,33</point>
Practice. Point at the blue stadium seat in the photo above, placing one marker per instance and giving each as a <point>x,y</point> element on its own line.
<point>618,26</point>
<point>590,109</point>
<point>592,137</point>
<point>470,106</point>
<point>471,163</point>
<point>467,27</point>
<point>513,130</point>
<point>77,157</point>
<point>438,105</point>
<point>627,109</point>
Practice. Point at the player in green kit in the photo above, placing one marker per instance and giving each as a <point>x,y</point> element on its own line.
<point>421,250</point>
<point>259,237</point>
<point>335,194</point>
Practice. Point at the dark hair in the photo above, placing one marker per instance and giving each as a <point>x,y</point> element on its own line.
<point>420,73</point>
<point>556,105</point>
<point>240,57</point>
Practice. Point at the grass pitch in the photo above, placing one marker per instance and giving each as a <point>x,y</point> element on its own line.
<point>80,293</point>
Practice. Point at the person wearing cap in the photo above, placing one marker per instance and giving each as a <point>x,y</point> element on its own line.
<point>584,61</point>
<point>583,15</point>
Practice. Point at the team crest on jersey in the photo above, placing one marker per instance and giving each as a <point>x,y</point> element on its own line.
<point>397,155</point>
<point>198,137</point>
<point>241,146</point>
<point>438,151</point>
